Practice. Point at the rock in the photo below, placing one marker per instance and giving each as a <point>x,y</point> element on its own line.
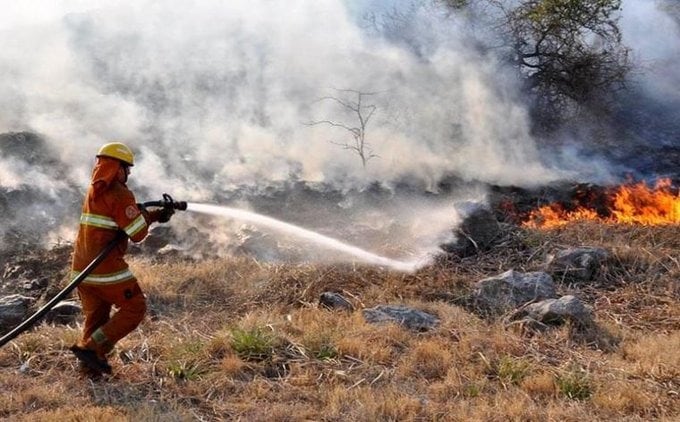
<point>252,242</point>
<point>403,315</point>
<point>559,311</point>
<point>36,284</point>
<point>576,264</point>
<point>499,294</point>
<point>477,232</point>
<point>12,271</point>
<point>158,237</point>
<point>170,252</point>
<point>332,300</point>
<point>13,310</point>
<point>64,312</point>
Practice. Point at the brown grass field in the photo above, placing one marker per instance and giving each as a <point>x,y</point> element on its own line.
<point>237,339</point>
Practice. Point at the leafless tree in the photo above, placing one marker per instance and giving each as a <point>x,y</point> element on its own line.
<point>363,112</point>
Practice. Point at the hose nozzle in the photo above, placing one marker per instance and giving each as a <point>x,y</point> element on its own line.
<point>166,202</point>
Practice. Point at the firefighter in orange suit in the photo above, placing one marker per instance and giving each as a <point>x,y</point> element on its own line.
<point>109,207</point>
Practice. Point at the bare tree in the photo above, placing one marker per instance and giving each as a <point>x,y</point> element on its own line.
<point>359,110</point>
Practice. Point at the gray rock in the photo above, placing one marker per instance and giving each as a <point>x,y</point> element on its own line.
<point>403,315</point>
<point>499,294</point>
<point>170,251</point>
<point>559,311</point>
<point>13,310</point>
<point>64,312</point>
<point>576,264</point>
<point>477,232</point>
<point>157,238</point>
<point>12,272</point>
<point>35,284</point>
<point>332,300</point>
<point>252,242</point>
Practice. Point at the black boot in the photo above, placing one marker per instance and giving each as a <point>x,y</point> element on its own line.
<point>89,358</point>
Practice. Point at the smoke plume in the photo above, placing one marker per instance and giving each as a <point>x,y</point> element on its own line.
<point>216,97</point>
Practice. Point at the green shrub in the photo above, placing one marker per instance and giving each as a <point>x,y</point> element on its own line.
<point>326,351</point>
<point>185,370</point>
<point>512,370</point>
<point>472,389</point>
<point>186,359</point>
<point>320,345</point>
<point>252,344</point>
<point>575,384</point>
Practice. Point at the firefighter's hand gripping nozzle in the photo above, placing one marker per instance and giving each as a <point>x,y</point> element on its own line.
<point>169,206</point>
<point>169,203</point>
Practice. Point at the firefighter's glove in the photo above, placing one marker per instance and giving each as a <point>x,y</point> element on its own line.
<point>165,214</point>
<point>159,216</point>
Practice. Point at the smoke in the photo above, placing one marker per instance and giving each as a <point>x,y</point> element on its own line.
<point>653,33</point>
<point>218,96</point>
<point>218,92</point>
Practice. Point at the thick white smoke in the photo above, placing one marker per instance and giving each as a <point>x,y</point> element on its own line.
<point>224,88</point>
<point>217,95</point>
<point>649,28</point>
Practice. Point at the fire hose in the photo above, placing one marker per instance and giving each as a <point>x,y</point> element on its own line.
<point>167,202</point>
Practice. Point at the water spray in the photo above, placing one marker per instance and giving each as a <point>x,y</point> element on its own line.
<point>317,238</point>
<point>168,203</point>
<point>281,226</point>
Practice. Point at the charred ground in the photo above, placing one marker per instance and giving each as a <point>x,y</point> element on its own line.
<point>245,336</point>
<point>240,338</point>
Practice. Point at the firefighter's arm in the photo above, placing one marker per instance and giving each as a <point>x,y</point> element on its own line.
<point>129,217</point>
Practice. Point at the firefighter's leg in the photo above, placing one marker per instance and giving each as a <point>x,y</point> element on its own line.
<point>95,310</point>
<point>129,299</point>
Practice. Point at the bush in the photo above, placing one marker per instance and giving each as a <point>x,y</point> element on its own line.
<point>252,344</point>
<point>512,370</point>
<point>575,384</point>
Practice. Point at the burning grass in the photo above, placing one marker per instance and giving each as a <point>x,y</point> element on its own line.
<point>631,203</point>
<point>242,340</point>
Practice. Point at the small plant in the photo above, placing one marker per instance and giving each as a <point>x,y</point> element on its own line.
<point>30,345</point>
<point>575,384</point>
<point>326,351</point>
<point>320,345</point>
<point>252,344</point>
<point>185,359</point>
<point>512,370</point>
<point>184,370</point>
<point>471,390</point>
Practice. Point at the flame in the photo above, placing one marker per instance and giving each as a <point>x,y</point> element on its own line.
<point>630,204</point>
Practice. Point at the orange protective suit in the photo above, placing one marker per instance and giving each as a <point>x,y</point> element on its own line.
<point>108,207</point>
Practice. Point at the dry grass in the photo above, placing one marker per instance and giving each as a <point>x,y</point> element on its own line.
<point>243,340</point>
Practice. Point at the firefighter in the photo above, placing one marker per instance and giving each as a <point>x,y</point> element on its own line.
<point>109,206</point>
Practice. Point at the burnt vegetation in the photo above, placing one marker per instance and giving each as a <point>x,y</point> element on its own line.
<point>247,338</point>
<point>230,338</point>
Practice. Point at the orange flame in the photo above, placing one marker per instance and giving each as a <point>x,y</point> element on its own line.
<point>630,204</point>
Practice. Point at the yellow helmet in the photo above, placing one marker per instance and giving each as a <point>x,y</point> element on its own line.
<point>119,151</point>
